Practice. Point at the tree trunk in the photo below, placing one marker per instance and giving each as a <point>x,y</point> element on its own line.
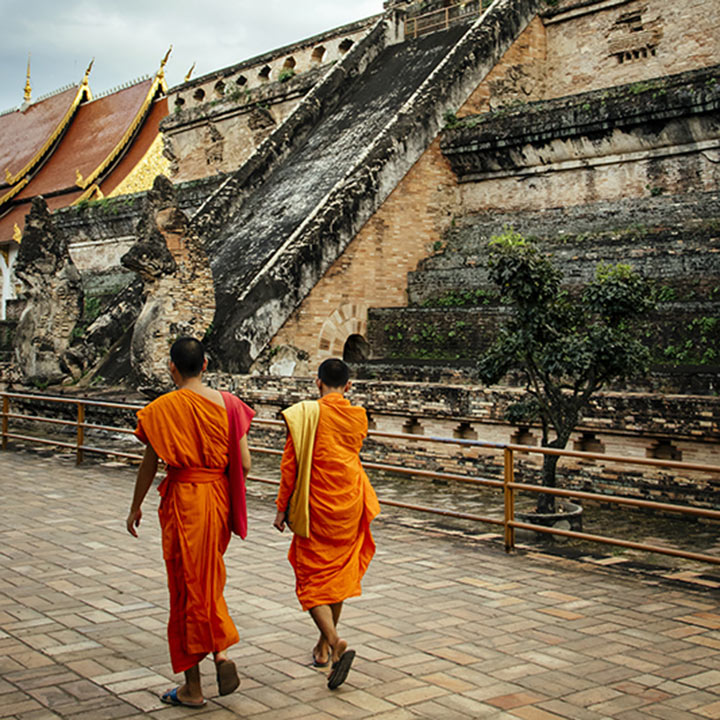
<point>546,503</point>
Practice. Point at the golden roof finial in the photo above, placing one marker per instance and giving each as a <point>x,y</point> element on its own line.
<point>163,63</point>
<point>190,72</point>
<point>28,87</point>
<point>17,234</point>
<point>87,72</point>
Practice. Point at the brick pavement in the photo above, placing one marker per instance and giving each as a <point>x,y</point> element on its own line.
<point>447,628</point>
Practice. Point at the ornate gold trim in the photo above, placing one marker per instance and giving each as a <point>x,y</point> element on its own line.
<point>141,177</point>
<point>83,93</point>
<point>190,72</point>
<point>14,190</point>
<point>157,84</point>
<point>17,234</point>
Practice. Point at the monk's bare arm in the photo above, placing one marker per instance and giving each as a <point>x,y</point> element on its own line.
<point>145,476</point>
<point>245,455</point>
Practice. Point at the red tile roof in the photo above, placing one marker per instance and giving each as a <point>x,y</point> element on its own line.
<point>25,133</point>
<point>140,145</point>
<point>104,142</point>
<point>95,132</point>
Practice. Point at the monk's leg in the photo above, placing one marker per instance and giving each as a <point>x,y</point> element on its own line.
<point>323,617</point>
<point>191,691</point>
<point>321,651</point>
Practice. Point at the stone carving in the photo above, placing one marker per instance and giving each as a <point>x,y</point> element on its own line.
<point>178,286</point>
<point>104,332</point>
<point>52,289</point>
<point>282,361</point>
<point>215,146</point>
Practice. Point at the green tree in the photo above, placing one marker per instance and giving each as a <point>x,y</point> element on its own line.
<point>565,346</point>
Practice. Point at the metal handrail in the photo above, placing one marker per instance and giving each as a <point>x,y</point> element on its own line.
<point>508,484</point>
<point>444,18</point>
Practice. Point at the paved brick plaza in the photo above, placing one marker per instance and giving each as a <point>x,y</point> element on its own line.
<point>446,629</point>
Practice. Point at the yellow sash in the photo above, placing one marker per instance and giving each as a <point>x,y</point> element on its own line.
<point>302,421</point>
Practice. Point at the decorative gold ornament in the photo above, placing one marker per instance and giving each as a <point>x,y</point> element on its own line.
<point>28,87</point>
<point>190,72</point>
<point>8,177</point>
<point>163,63</point>
<point>79,179</point>
<point>17,234</point>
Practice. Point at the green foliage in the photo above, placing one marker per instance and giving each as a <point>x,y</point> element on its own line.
<point>462,298</point>
<point>700,345</point>
<point>640,87</point>
<point>286,74</point>
<point>664,293</point>
<point>451,120</point>
<point>91,308</point>
<point>565,348</point>
<point>428,340</point>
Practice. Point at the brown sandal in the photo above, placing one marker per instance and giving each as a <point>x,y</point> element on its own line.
<point>227,677</point>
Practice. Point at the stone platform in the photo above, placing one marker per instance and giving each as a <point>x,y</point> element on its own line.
<point>447,628</point>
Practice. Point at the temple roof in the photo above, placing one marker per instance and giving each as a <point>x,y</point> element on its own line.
<point>97,133</point>
<point>26,136</point>
<point>98,145</point>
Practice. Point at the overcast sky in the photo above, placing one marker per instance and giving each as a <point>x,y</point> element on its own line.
<point>128,38</point>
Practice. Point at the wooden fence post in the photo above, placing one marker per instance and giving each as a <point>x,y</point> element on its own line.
<point>509,500</point>
<point>79,454</point>
<point>6,412</point>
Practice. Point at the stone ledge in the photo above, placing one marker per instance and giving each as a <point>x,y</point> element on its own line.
<point>481,143</point>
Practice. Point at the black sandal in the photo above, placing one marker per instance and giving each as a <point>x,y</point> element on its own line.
<point>340,670</point>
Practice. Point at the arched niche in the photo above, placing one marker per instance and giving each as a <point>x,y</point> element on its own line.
<point>356,349</point>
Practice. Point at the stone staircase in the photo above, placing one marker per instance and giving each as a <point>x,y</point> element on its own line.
<point>274,227</point>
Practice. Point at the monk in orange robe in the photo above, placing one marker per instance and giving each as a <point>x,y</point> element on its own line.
<point>332,544</point>
<point>188,429</point>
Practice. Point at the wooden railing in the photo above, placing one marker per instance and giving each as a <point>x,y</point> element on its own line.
<point>442,19</point>
<point>508,485</point>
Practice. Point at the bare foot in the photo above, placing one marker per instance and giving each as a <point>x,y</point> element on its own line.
<point>321,654</point>
<point>183,694</point>
<point>337,651</point>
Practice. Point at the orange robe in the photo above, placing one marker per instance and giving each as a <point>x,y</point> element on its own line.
<point>330,564</point>
<point>190,434</point>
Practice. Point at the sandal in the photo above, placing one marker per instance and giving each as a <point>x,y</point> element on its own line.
<point>171,698</point>
<point>340,669</point>
<point>227,677</point>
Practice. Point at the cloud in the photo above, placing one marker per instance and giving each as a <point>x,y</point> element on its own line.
<point>128,38</point>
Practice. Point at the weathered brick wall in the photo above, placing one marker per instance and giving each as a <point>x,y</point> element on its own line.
<point>7,328</point>
<point>585,41</point>
<point>372,272</point>
<point>517,78</point>
<point>636,140</point>
<point>673,240</point>
<point>219,136</point>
